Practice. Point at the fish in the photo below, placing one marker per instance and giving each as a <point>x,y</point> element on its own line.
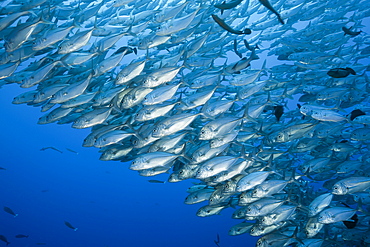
<point>341,72</point>
<point>21,236</point>
<point>222,24</point>
<point>349,32</point>
<point>2,168</point>
<point>267,4</point>
<point>278,111</point>
<point>355,113</point>
<point>70,226</point>
<point>156,181</point>
<point>217,241</point>
<point>10,211</point>
<point>3,238</point>
<point>71,150</point>
<point>53,148</point>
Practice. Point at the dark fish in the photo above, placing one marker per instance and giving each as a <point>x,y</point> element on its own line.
<point>278,111</point>
<point>21,236</point>
<point>349,32</point>
<point>249,47</point>
<point>156,181</point>
<point>354,219</point>
<point>351,224</point>
<point>217,241</point>
<point>356,113</point>
<point>2,168</point>
<point>71,150</point>
<point>40,243</point>
<point>228,28</point>
<point>267,4</point>
<point>236,49</point>
<point>44,190</point>
<point>70,226</point>
<point>3,238</point>
<point>8,210</point>
<point>229,5</point>
<point>44,148</point>
<point>341,72</point>
<point>126,49</point>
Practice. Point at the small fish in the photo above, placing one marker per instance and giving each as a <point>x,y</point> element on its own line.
<point>218,240</point>
<point>349,32</point>
<point>223,24</point>
<point>21,236</point>
<point>229,5</point>
<point>40,243</point>
<point>278,111</point>
<point>70,226</point>
<point>267,4</point>
<point>154,181</point>
<point>53,148</point>
<point>341,72</point>
<point>71,150</point>
<point>2,168</point>
<point>8,210</point>
<point>350,224</point>
<point>356,113</point>
<point>3,238</point>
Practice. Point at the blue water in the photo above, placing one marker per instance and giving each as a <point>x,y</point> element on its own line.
<point>108,203</point>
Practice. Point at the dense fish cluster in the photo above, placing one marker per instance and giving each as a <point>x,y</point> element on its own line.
<point>208,90</point>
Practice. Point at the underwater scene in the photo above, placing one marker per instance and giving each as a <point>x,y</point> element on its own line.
<point>224,123</point>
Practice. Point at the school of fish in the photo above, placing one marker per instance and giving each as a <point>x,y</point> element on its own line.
<point>208,90</point>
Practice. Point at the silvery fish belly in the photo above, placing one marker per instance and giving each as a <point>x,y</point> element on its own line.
<point>263,104</point>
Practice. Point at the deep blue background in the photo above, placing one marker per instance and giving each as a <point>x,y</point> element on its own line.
<point>108,203</point>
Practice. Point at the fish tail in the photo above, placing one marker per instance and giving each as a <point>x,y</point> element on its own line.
<point>280,19</point>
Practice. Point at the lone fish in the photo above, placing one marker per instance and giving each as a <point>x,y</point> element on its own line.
<point>70,226</point>
<point>8,210</point>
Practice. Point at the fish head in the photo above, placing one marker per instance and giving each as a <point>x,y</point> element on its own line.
<point>262,243</point>
<point>206,133</point>
<point>305,110</point>
<point>267,219</point>
<point>191,199</point>
<point>258,192</point>
<point>239,213</point>
<point>215,143</point>
<point>64,48</point>
<point>203,172</point>
<point>325,217</point>
<point>142,115</point>
<point>278,137</point>
<point>138,163</point>
<point>150,81</point>
<point>81,122</point>
<point>339,188</point>
<point>252,210</point>
<point>159,131</point>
